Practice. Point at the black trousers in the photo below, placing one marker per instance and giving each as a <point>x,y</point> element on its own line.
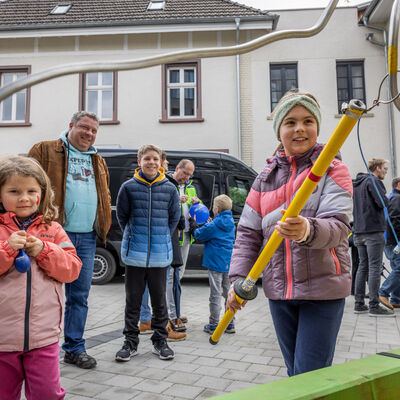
<point>135,283</point>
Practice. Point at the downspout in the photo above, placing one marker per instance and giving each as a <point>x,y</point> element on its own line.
<point>392,141</point>
<point>239,120</point>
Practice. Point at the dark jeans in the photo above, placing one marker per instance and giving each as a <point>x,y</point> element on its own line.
<point>370,250</point>
<point>77,293</point>
<point>135,283</point>
<point>391,286</point>
<point>307,332</point>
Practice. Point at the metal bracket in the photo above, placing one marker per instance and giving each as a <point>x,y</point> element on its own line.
<point>245,292</point>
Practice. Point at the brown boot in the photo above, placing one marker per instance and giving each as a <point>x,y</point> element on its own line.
<point>174,336</point>
<point>145,328</point>
<point>385,301</point>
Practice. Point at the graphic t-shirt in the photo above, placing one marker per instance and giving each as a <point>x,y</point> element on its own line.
<point>81,194</point>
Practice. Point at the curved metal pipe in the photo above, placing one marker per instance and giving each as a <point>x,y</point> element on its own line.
<point>393,52</point>
<point>176,56</point>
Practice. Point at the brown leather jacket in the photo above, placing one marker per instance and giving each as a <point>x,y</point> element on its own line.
<point>52,155</point>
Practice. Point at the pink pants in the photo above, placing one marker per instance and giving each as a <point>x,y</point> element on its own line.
<point>40,370</point>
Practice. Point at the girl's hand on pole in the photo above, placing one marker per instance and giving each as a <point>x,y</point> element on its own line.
<point>17,240</point>
<point>293,228</point>
<point>231,302</point>
<point>33,246</point>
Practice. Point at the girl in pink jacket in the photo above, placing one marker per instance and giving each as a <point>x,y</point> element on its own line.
<point>308,277</point>
<point>31,296</point>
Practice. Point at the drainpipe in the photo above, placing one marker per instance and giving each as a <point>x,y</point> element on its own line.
<point>239,121</point>
<point>392,141</point>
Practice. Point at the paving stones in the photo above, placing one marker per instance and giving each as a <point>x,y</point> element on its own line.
<point>200,371</point>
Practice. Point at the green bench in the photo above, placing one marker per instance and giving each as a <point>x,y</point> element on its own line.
<point>372,378</point>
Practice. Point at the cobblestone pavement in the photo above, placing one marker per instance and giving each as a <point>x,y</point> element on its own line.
<point>200,370</point>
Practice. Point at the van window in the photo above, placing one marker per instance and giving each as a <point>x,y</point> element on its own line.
<point>204,184</point>
<point>238,188</point>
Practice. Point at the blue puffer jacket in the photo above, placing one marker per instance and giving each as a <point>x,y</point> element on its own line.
<point>218,237</point>
<point>147,214</point>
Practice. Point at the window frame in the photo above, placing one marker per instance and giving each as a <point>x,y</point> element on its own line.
<point>282,67</point>
<point>349,64</point>
<point>152,5</point>
<point>18,69</point>
<point>196,64</point>
<point>82,97</point>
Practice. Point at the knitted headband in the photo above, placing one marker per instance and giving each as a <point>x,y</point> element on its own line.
<point>295,100</point>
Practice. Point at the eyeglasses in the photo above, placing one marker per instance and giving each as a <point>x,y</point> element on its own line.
<point>188,174</point>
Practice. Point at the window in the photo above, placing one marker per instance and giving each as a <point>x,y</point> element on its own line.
<point>283,77</point>
<point>61,9</point>
<point>181,92</point>
<point>156,5</point>
<point>239,188</point>
<point>350,81</point>
<point>14,110</point>
<point>99,95</point>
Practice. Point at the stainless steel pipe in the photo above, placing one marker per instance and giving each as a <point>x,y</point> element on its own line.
<point>176,56</point>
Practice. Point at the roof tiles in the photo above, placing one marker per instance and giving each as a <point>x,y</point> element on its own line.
<point>20,13</point>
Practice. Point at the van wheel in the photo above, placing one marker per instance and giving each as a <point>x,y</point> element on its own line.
<point>104,267</point>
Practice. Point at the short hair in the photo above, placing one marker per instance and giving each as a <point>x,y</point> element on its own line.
<point>80,114</point>
<point>148,147</point>
<point>29,167</point>
<point>184,162</point>
<point>395,182</point>
<point>163,155</point>
<point>375,163</point>
<point>223,202</point>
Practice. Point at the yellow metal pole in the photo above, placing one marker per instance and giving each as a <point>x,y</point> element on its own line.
<point>247,288</point>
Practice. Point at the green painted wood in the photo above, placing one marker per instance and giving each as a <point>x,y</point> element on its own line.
<point>372,378</point>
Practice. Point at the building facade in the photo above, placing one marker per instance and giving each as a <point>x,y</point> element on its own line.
<point>201,104</point>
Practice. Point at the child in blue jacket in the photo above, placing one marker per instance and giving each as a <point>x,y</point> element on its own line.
<point>218,237</point>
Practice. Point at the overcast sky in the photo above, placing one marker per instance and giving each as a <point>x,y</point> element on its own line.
<point>284,4</point>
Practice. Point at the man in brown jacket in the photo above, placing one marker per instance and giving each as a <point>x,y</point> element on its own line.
<point>80,179</point>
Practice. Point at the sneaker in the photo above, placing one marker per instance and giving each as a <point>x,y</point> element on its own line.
<point>174,336</point>
<point>230,328</point>
<point>177,325</point>
<point>385,301</point>
<point>81,360</point>
<point>183,319</point>
<point>381,312</point>
<point>361,309</point>
<point>210,328</point>
<point>162,349</point>
<point>127,351</point>
<point>145,328</point>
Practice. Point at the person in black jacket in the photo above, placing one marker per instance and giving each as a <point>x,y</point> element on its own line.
<point>391,287</point>
<point>369,227</point>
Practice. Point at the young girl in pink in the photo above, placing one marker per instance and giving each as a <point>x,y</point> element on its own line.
<point>31,302</point>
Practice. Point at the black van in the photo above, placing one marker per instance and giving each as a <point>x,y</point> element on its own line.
<point>215,173</point>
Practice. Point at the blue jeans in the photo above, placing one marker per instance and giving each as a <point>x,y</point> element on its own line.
<point>145,310</point>
<point>307,332</point>
<point>77,293</point>
<point>370,250</point>
<point>391,286</point>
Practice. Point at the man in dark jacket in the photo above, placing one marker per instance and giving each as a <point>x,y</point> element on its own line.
<point>391,286</point>
<point>369,228</point>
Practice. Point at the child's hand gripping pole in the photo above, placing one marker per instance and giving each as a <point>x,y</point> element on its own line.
<point>245,289</point>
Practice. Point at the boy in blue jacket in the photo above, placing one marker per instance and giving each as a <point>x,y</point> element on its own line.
<point>218,237</point>
<point>148,212</point>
